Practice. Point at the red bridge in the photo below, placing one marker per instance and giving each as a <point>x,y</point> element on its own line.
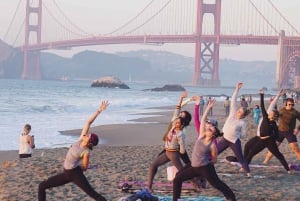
<point>175,21</point>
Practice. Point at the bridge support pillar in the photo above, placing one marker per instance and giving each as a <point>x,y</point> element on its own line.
<point>288,63</point>
<point>207,74</point>
<point>31,59</point>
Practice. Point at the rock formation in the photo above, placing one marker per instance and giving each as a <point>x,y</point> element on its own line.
<point>109,82</point>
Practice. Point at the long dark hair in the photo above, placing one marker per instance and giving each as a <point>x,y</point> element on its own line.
<point>187,119</point>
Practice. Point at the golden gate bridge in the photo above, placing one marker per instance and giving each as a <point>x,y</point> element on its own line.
<point>39,25</point>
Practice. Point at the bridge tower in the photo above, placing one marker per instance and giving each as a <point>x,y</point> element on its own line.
<point>33,27</point>
<point>288,63</point>
<point>207,74</point>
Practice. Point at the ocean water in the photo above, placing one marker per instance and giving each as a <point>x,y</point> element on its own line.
<point>53,106</point>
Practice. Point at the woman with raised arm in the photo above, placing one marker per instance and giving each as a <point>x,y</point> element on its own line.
<point>174,143</point>
<point>201,181</point>
<point>204,155</point>
<point>234,129</point>
<point>267,134</point>
<point>77,161</point>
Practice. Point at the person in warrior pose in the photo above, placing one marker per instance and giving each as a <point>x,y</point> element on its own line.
<point>204,155</point>
<point>77,161</point>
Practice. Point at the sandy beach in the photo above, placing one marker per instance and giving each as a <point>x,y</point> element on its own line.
<point>128,152</point>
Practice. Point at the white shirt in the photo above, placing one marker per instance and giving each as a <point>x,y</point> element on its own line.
<point>24,147</point>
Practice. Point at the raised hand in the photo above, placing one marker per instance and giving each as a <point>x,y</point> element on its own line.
<point>239,85</point>
<point>103,106</point>
<point>261,91</point>
<point>184,94</point>
<point>211,103</point>
<point>196,99</point>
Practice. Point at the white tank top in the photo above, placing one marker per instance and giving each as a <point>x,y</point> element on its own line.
<point>24,147</point>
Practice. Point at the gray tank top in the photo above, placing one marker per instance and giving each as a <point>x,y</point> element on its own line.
<point>74,156</point>
<point>201,153</point>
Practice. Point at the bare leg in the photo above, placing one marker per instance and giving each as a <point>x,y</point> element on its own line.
<point>295,148</point>
<point>270,155</point>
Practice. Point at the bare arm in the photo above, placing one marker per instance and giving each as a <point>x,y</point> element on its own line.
<point>85,161</point>
<point>30,140</point>
<point>213,153</point>
<point>102,107</point>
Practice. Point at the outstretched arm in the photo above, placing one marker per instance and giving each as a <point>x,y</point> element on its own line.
<point>102,107</point>
<point>175,114</point>
<point>262,104</point>
<point>196,113</point>
<point>211,103</point>
<point>274,102</point>
<point>178,106</point>
<point>233,105</point>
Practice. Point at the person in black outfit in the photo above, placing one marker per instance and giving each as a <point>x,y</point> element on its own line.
<point>266,136</point>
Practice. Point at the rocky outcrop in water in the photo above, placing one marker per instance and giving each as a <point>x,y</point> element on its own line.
<point>109,82</point>
<point>168,87</point>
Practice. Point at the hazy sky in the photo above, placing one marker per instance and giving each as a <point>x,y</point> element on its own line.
<point>116,12</point>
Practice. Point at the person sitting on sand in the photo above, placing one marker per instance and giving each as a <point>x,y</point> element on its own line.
<point>202,164</point>
<point>77,161</point>
<point>26,142</point>
<point>235,128</point>
<point>174,140</point>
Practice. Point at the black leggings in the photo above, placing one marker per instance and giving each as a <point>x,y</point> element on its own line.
<point>76,176</point>
<point>163,158</point>
<point>207,171</point>
<point>24,155</point>
<point>256,145</point>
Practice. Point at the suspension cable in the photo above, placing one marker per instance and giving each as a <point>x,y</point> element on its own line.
<point>58,22</point>
<point>19,33</point>
<point>260,13</point>
<point>11,22</point>
<point>294,28</point>
<point>68,19</point>
<point>161,9</point>
<point>129,21</point>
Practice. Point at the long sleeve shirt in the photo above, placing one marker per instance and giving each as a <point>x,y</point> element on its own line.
<point>267,127</point>
<point>270,108</point>
<point>175,141</point>
<point>234,128</point>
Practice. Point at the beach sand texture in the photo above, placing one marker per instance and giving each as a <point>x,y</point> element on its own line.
<point>128,153</point>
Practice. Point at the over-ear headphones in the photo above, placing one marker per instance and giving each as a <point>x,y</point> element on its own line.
<point>289,100</point>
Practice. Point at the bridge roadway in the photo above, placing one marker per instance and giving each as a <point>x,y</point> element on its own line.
<point>161,39</point>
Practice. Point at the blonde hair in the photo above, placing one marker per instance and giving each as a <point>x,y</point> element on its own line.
<point>28,127</point>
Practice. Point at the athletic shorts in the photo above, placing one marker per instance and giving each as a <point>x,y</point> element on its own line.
<point>290,137</point>
<point>24,155</point>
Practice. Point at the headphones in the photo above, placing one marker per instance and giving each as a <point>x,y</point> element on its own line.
<point>289,100</point>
